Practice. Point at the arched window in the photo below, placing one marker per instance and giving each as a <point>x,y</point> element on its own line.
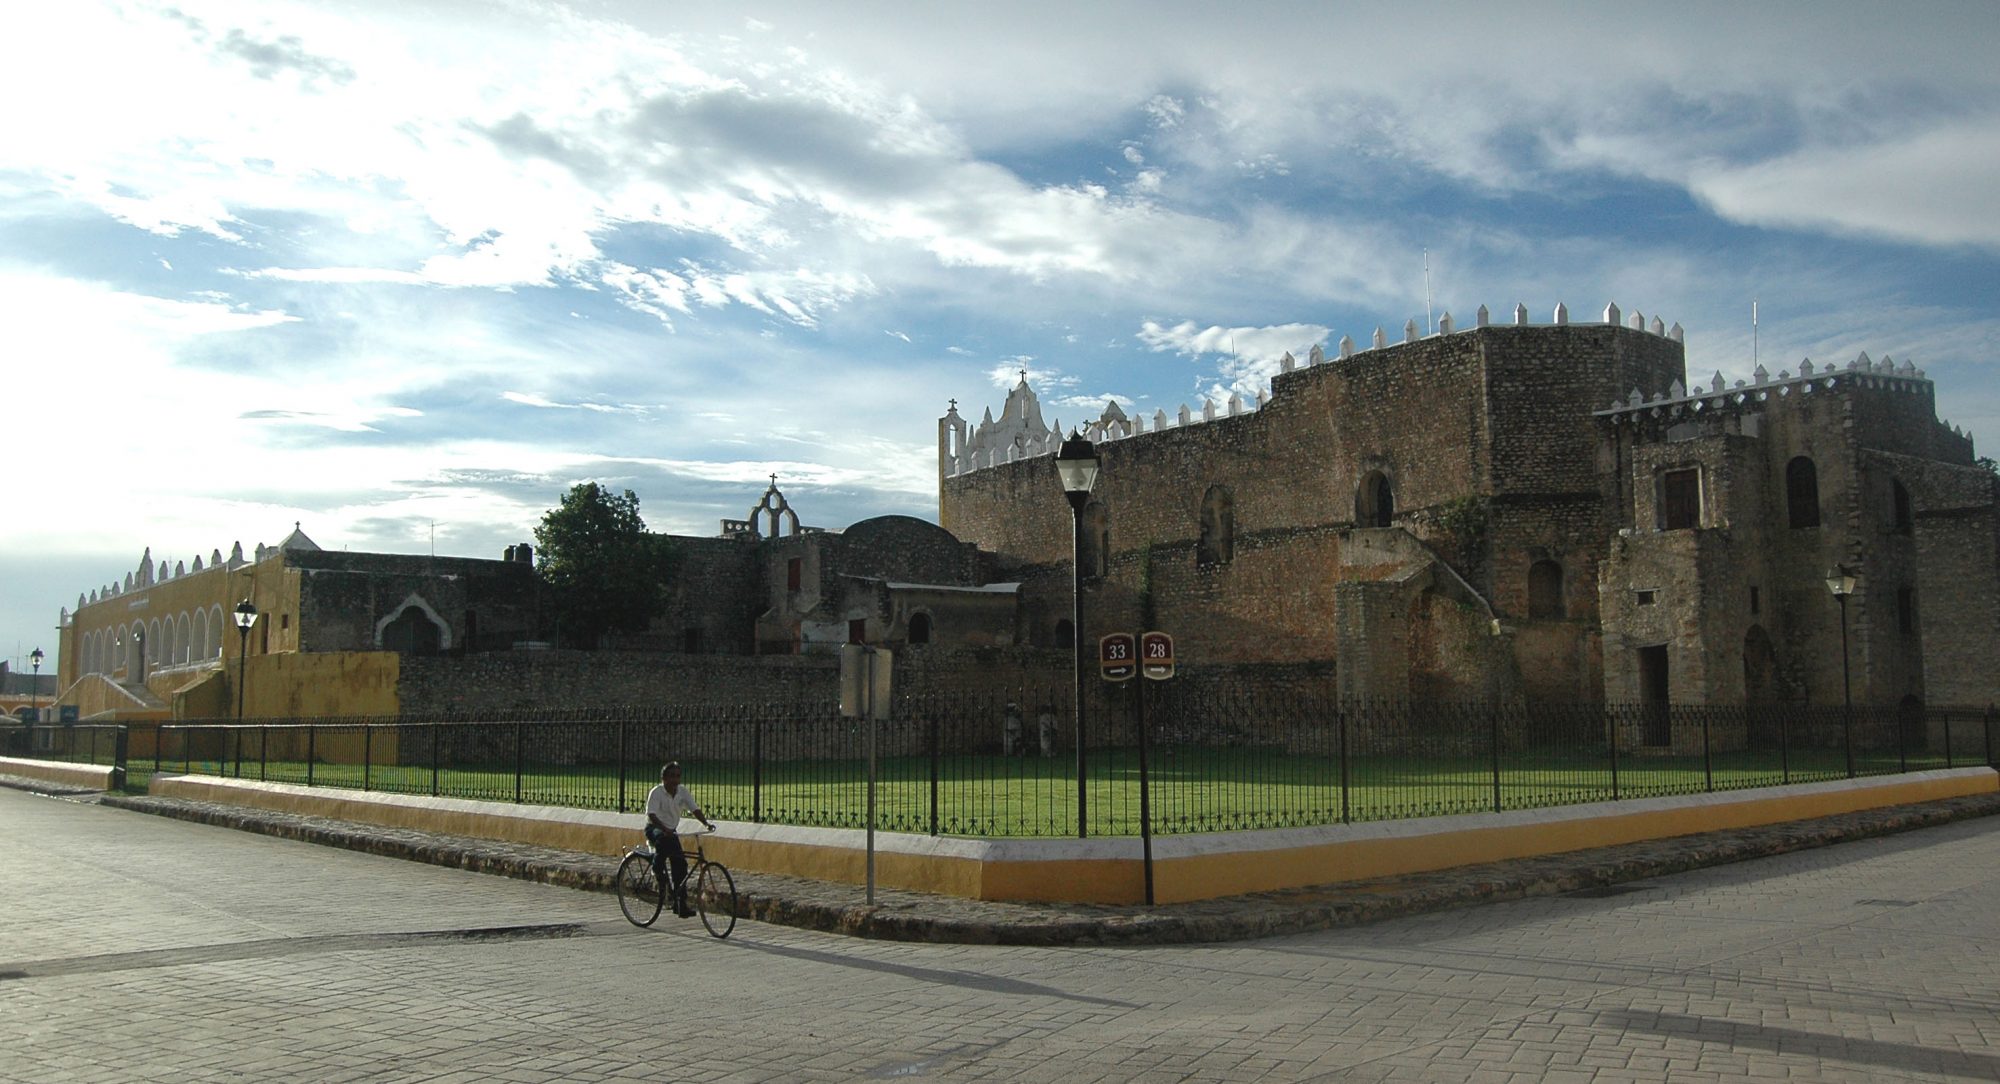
<point>1096,555</point>
<point>1375,501</point>
<point>215,627</point>
<point>198,646</point>
<point>1065,634</point>
<point>1900,518</point>
<point>1802,492</point>
<point>1545,590</point>
<point>184,641</point>
<point>1218,528</point>
<point>920,628</point>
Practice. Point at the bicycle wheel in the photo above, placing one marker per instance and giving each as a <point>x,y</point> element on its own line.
<point>639,891</point>
<point>715,898</point>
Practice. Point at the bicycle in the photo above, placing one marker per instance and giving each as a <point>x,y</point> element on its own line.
<point>642,894</point>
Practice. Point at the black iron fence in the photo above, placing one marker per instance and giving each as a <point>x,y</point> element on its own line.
<point>1164,758</point>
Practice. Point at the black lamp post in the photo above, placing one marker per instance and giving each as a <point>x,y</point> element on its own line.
<point>1841,582</point>
<point>1076,466</point>
<point>246,616</point>
<point>35,683</point>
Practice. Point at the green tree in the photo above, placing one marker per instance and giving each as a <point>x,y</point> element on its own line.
<point>604,572</point>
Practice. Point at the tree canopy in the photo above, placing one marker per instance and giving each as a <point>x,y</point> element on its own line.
<point>605,573</point>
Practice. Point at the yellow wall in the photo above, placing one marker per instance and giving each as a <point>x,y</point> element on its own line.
<point>294,686</point>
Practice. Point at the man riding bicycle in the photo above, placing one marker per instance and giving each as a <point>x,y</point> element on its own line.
<point>664,806</point>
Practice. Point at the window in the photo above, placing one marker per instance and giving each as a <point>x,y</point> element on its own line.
<point>857,630</point>
<point>1065,634</point>
<point>1218,529</point>
<point>1902,522</point>
<point>1680,499</point>
<point>1906,610</point>
<point>794,573</point>
<point>920,629</point>
<point>1802,492</point>
<point>1645,598</point>
<point>1375,501</point>
<point>1545,590</point>
<point>691,640</point>
<point>1756,601</point>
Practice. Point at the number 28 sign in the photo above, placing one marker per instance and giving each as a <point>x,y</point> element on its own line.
<point>1156,655</point>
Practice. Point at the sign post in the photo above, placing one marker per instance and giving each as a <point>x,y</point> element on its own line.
<point>864,694</point>
<point>1156,661</point>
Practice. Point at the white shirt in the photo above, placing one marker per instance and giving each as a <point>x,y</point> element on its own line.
<point>668,807</point>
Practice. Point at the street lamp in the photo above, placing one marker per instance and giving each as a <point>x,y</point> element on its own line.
<point>1076,467</point>
<point>246,616</point>
<point>1841,582</point>
<point>35,683</point>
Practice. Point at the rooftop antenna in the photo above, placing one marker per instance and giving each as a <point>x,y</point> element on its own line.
<point>1428,326</point>
<point>434,538</point>
<point>1753,333</point>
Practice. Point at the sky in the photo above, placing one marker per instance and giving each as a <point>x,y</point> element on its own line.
<point>404,272</point>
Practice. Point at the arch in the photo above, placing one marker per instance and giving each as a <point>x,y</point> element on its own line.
<point>183,640</point>
<point>1545,591</point>
<point>1802,492</point>
<point>198,648</point>
<point>1375,501</point>
<point>1065,634</point>
<point>413,627</point>
<point>215,630</point>
<point>1217,545</point>
<point>920,628</point>
<point>1901,519</point>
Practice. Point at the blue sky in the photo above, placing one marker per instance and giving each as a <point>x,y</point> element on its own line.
<point>391,269</point>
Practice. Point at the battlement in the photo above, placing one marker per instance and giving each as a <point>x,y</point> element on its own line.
<point>1020,434</point>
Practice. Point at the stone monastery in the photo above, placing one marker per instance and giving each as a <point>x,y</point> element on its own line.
<point>1551,511</point>
<point>1541,511</point>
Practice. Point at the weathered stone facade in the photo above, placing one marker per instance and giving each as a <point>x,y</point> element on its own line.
<point>1525,510</point>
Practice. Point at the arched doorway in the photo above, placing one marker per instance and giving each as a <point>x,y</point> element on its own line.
<point>1375,501</point>
<point>412,632</point>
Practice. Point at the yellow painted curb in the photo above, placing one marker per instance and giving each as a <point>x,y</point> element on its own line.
<point>1111,871</point>
<point>94,776</point>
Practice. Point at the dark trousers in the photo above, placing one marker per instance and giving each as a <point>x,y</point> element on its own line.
<point>668,844</point>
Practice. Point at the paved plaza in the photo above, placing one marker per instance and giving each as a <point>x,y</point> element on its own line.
<point>142,948</point>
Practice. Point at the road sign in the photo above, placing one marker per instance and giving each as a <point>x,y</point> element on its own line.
<point>1118,656</point>
<point>1156,655</point>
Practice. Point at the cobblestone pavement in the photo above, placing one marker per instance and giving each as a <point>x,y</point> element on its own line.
<point>918,917</point>
<point>146,948</point>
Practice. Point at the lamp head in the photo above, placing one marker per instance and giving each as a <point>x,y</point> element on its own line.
<point>1076,464</point>
<point>36,657</point>
<point>1841,581</point>
<point>246,615</point>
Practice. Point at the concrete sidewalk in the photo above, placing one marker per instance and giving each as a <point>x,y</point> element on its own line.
<point>909,916</point>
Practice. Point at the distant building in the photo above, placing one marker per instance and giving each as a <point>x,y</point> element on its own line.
<point>21,694</point>
<point>162,643</point>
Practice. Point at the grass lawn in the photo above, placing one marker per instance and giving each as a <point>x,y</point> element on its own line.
<point>1192,791</point>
